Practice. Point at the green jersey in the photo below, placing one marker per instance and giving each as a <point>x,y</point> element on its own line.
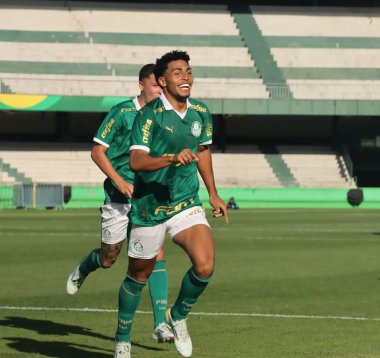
<point>162,131</point>
<point>115,134</point>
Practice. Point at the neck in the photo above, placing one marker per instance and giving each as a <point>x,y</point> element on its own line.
<point>179,104</point>
<point>141,99</point>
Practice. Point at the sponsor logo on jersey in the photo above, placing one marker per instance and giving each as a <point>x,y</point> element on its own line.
<point>108,127</point>
<point>145,130</point>
<point>170,129</point>
<point>130,109</point>
<point>171,209</point>
<point>196,129</point>
<point>198,108</point>
<point>159,109</point>
<point>208,129</point>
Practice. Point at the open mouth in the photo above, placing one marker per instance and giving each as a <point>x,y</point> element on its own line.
<point>184,86</point>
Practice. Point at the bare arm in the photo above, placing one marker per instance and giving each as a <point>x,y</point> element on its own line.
<point>205,170</point>
<point>98,155</point>
<point>140,160</point>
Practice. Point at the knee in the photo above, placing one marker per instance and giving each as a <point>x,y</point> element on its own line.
<point>107,262</point>
<point>140,270</point>
<point>204,270</point>
<point>139,276</point>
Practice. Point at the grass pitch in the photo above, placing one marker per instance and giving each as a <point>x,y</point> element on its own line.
<point>288,283</point>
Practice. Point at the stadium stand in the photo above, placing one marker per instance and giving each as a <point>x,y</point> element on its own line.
<point>290,166</point>
<point>44,163</point>
<point>326,53</point>
<point>244,167</point>
<point>102,48</point>
<point>316,166</point>
<point>330,54</point>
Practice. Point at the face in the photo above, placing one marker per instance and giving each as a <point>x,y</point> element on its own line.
<point>177,80</point>
<point>150,88</point>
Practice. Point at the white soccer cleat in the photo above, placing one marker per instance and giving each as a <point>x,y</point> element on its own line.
<point>75,281</point>
<point>182,339</point>
<point>122,350</point>
<point>163,333</point>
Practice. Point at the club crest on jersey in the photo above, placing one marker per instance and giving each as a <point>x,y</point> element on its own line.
<point>196,129</point>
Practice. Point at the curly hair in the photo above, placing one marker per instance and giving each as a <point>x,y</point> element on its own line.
<point>162,63</point>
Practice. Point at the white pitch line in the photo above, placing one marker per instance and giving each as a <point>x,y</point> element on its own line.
<point>220,314</point>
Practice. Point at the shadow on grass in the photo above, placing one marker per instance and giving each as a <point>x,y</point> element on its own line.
<point>57,349</point>
<point>45,327</point>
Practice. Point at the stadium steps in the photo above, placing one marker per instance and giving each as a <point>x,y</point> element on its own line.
<point>4,88</point>
<point>13,172</point>
<point>342,168</point>
<point>259,51</point>
<point>316,166</point>
<point>279,166</point>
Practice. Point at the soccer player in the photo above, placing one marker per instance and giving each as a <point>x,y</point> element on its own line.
<point>170,142</point>
<point>111,153</point>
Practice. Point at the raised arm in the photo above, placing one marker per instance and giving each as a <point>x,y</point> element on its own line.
<point>204,165</point>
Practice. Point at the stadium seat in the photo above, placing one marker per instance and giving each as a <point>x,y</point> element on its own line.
<point>328,53</point>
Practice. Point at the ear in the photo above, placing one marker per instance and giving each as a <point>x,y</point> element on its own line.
<point>162,82</point>
<point>141,86</point>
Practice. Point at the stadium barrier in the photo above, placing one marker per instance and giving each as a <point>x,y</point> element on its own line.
<point>34,195</point>
<point>93,196</point>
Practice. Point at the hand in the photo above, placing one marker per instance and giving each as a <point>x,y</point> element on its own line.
<point>184,157</point>
<point>219,208</point>
<point>125,188</point>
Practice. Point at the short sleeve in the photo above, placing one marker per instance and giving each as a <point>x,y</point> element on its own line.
<point>207,129</point>
<point>108,128</point>
<point>142,130</point>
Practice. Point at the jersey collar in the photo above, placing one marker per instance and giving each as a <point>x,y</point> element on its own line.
<point>169,107</point>
<point>137,104</point>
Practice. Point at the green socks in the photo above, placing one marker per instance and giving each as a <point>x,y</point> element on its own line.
<point>129,298</point>
<point>90,263</point>
<point>158,289</point>
<point>191,289</point>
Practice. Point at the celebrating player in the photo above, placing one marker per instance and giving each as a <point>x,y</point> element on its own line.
<point>170,141</point>
<point>111,153</point>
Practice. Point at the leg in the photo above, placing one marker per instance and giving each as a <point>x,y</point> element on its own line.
<point>114,230</point>
<point>190,231</point>
<point>158,290</point>
<point>129,295</point>
<point>109,253</point>
<point>143,246</point>
<point>198,243</point>
<point>104,257</point>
